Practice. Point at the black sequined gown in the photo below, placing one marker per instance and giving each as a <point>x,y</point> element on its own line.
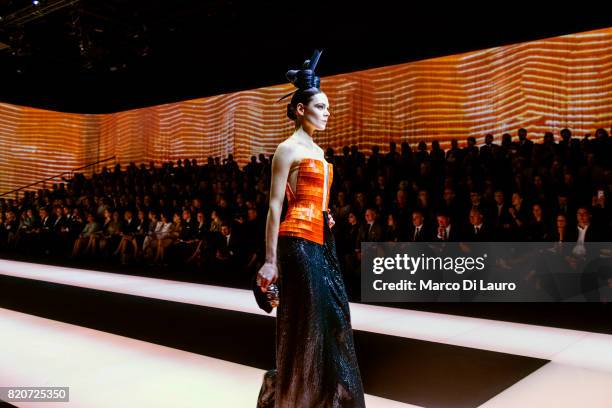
<point>316,365</point>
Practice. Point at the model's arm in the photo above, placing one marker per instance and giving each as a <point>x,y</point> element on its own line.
<point>281,162</point>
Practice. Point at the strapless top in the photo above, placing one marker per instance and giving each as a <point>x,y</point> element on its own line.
<point>304,217</point>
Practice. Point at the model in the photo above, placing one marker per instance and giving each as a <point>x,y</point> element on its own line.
<point>316,365</point>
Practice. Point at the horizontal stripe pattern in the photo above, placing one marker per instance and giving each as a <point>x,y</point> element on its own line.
<point>541,85</point>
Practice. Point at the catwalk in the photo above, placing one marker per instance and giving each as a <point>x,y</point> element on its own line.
<point>145,342</point>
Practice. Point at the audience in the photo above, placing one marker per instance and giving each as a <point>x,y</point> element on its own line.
<point>213,215</point>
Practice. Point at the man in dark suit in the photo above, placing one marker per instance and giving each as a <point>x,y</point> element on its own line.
<point>445,230</point>
<point>184,247</point>
<point>525,146</point>
<point>477,230</point>
<point>45,230</point>
<point>61,239</point>
<point>371,231</point>
<point>418,231</point>
<point>585,230</point>
<point>228,253</point>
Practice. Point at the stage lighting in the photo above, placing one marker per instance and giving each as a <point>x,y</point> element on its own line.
<point>35,2</point>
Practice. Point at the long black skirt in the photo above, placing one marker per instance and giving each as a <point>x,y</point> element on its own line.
<point>316,365</point>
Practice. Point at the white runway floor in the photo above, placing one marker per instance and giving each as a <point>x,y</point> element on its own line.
<point>100,366</point>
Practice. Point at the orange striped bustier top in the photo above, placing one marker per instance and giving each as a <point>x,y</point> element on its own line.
<point>304,217</point>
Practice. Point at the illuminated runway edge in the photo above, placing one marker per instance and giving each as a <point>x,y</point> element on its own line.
<point>105,370</point>
<point>549,343</point>
<point>581,369</point>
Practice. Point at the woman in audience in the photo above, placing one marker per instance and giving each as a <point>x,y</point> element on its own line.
<point>86,236</point>
<point>110,236</point>
<point>168,235</point>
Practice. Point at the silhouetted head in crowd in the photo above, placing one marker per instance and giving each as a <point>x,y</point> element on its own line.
<point>522,134</point>
<point>488,139</point>
<point>566,135</point>
<point>601,134</point>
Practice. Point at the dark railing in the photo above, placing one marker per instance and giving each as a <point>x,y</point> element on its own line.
<point>57,175</point>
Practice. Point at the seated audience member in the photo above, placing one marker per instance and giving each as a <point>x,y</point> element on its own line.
<point>110,235</point>
<point>418,231</point>
<point>27,227</point>
<point>10,227</point>
<point>228,251</point>
<point>201,239</point>
<point>87,236</point>
<point>155,227</point>
<point>128,231</point>
<point>168,237</point>
<point>477,230</point>
<point>537,229</point>
<point>142,228</point>
<point>392,232</point>
<point>518,217</point>
<point>562,232</point>
<point>445,230</point>
<point>501,220</point>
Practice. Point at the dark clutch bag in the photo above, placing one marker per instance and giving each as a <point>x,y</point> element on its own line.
<point>266,300</point>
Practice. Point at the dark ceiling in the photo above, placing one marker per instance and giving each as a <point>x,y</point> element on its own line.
<point>112,55</point>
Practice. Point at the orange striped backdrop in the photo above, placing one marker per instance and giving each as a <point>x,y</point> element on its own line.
<point>541,85</point>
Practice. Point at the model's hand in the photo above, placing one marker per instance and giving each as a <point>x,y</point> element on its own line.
<point>266,275</point>
<point>330,219</point>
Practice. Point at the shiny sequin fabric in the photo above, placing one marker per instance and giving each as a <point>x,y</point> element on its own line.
<point>316,365</point>
<point>304,216</point>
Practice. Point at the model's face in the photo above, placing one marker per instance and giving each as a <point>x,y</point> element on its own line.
<point>316,112</point>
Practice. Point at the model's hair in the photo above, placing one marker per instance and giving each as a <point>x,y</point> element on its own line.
<point>307,83</point>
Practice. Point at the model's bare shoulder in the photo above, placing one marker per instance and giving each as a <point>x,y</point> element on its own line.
<point>284,154</point>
